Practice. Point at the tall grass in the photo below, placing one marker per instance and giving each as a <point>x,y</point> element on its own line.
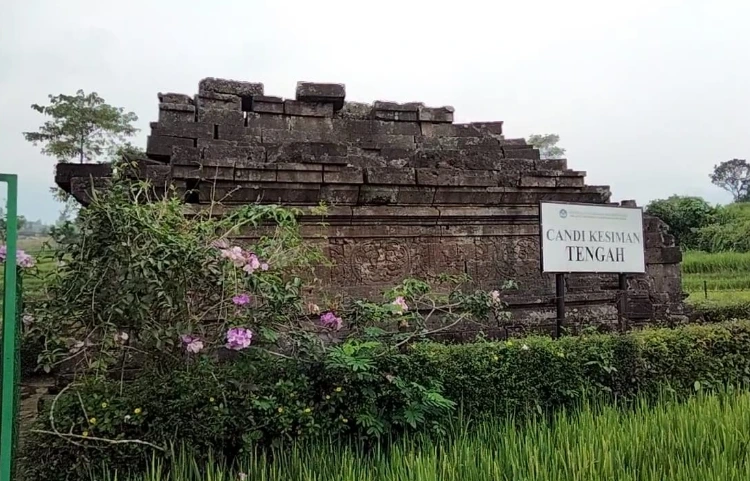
<point>703,263</point>
<point>703,439</point>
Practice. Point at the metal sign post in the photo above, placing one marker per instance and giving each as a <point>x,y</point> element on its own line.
<point>560,296</point>
<point>9,400</point>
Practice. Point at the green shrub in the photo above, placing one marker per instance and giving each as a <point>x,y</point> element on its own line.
<point>254,400</point>
<point>720,311</point>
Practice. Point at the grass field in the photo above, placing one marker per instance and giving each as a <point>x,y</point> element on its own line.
<point>703,439</point>
<point>721,278</point>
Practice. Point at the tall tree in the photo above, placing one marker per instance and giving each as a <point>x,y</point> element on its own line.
<point>734,177</point>
<point>547,145</point>
<point>82,127</point>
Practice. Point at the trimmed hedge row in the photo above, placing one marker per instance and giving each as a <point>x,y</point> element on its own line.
<point>722,311</point>
<point>217,406</point>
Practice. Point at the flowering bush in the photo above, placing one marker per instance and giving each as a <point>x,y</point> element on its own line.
<point>145,288</point>
<point>23,259</point>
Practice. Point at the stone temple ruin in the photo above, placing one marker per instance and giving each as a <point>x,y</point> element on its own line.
<point>410,193</point>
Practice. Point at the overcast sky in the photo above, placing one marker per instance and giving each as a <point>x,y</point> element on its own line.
<point>647,95</point>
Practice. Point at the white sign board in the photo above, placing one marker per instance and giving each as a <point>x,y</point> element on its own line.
<point>591,238</point>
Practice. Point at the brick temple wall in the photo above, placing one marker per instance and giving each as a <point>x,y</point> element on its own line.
<point>409,193</point>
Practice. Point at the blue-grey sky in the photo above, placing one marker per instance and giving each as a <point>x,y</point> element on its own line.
<point>647,95</point>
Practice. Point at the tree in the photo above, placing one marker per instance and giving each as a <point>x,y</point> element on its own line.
<point>734,177</point>
<point>82,127</point>
<point>547,145</point>
<point>684,216</point>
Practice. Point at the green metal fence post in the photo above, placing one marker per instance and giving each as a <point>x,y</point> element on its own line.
<point>10,323</point>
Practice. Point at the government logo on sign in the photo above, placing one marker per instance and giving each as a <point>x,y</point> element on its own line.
<point>563,213</point>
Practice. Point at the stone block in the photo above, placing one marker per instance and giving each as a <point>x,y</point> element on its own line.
<point>346,175</point>
<point>255,173</point>
<point>220,151</point>
<point>355,111</point>
<point>266,122</point>
<point>295,194</point>
<point>551,164</point>
<point>267,104</point>
<point>377,195</point>
<point>287,173</point>
<point>160,146</point>
<point>516,165</point>
<point>174,98</point>
<point>436,114</point>
<point>232,87</point>
<point>322,93</point>
<point>449,130</point>
<point>538,181</point>
<point>190,130</point>
<point>521,153</point>
<point>317,125</point>
<point>186,171</point>
<point>395,115</point>
<point>397,107</point>
<point>484,196</point>
<point>495,128</point>
<point>237,134</point>
<point>176,113</point>
<point>378,141</point>
<point>473,178</point>
<point>217,172</point>
<point>212,100</point>
<point>338,194</point>
<point>390,176</point>
<point>408,195</point>
<point>307,109</point>
<point>185,155</point>
<point>570,181</point>
<point>664,255</point>
<point>221,117</point>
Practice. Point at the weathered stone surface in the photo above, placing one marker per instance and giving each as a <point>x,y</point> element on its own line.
<point>213,100</point>
<point>436,114</point>
<point>322,92</point>
<point>266,104</point>
<point>173,98</point>
<point>160,146</point>
<point>388,176</point>
<point>347,175</point>
<point>189,130</point>
<point>233,87</point>
<point>176,113</point>
<point>221,116</point>
<point>309,109</point>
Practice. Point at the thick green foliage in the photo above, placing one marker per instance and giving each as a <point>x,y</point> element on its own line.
<point>684,215</point>
<point>729,232</point>
<point>257,400</point>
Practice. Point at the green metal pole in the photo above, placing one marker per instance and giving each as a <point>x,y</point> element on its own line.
<point>9,401</point>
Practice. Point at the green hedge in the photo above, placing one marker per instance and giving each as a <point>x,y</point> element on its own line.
<point>713,311</point>
<point>228,407</point>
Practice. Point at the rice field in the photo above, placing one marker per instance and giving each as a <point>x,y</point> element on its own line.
<point>725,276</point>
<point>702,439</point>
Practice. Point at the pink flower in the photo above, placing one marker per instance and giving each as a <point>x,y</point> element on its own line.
<point>28,320</point>
<point>252,261</point>
<point>193,345</point>
<point>264,267</point>
<point>22,259</point>
<point>238,338</point>
<point>330,320</point>
<point>401,304</point>
<point>242,476</point>
<point>241,299</point>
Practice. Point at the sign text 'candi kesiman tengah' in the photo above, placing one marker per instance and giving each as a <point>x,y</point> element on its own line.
<point>591,238</point>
